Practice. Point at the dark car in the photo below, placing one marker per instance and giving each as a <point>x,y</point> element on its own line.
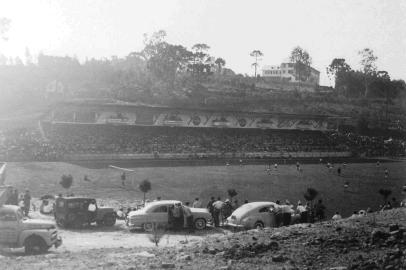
<point>75,212</point>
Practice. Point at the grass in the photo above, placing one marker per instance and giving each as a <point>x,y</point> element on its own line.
<point>251,182</point>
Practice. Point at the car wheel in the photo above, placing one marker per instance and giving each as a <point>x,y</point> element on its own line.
<point>259,225</point>
<point>200,224</point>
<point>35,245</point>
<point>109,220</point>
<point>148,227</point>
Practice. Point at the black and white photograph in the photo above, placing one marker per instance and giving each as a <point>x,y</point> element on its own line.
<point>203,134</point>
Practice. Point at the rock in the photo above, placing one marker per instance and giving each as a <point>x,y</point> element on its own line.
<point>279,258</point>
<point>184,257</point>
<point>145,254</point>
<point>167,265</point>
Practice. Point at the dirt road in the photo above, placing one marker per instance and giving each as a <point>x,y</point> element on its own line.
<point>120,237</point>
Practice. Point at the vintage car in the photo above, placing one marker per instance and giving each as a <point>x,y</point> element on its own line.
<point>156,213</point>
<point>74,212</point>
<point>35,235</point>
<point>252,215</point>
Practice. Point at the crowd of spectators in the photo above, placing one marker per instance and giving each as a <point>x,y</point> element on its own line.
<point>62,139</point>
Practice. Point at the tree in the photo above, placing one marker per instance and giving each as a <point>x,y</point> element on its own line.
<point>338,69</point>
<point>385,193</point>
<point>368,63</point>
<point>4,27</point>
<point>232,193</point>
<point>220,62</point>
<point>28,56</point>
<point>144,187</point>
<point>66,181</point>
<point>202,62</point>
<point>163,59</point>
<point>302,61</point>
<point>256,54</point>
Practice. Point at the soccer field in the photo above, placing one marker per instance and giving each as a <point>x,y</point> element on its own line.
<point>252,182</point>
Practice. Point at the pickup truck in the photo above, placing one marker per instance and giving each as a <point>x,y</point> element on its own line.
<point>17,231</point>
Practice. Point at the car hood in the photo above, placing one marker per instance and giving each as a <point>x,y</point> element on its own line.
<point>136,213</point>
<point>30,224</point>
<point>199,210</point>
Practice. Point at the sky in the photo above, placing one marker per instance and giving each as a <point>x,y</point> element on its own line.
<point>327,29</point>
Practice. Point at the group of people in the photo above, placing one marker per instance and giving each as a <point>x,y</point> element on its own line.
<point>62,140</point>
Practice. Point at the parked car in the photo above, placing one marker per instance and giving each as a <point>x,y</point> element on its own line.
<point>35,235</point>
<point>252,215</point>
<point>156,213</point>
<point>74,212</point>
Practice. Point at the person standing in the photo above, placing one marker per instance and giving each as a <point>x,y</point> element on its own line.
<point>278,214</point>
<point>217,206</point>
<point>319,209</point>
<point>235,205</point>
<point>339,171</point>
<point>303,212</point>
<point>123,177</point>
<point>188,217</point>
<point>287,213</point>
<point>210,207</point>
<point>386,173</point>
<point>27,202</point>
<point>197,203</point>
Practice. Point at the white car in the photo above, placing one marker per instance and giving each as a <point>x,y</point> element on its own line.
<point>252,215</point>
<point>157,213</point>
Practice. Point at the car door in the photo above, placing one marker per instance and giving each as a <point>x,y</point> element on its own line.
<point>159,214</point>
<point>264,216</point>
<point>9,226</point>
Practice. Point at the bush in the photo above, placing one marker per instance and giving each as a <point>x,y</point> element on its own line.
<point>66,181</point>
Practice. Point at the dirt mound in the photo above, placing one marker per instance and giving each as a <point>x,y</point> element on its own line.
<point>377,241</point>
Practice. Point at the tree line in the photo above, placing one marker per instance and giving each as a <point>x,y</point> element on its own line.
<point>368,82</point>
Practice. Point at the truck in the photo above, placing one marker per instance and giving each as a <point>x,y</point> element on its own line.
<point>17,231</point>
<point>73,212</point>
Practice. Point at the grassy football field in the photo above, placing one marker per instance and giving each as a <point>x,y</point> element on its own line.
<point>252,182</point>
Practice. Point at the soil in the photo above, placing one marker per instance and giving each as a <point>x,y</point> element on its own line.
<point>377,241</point>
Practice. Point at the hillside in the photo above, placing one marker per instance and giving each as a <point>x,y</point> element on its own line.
<point>366,243</point>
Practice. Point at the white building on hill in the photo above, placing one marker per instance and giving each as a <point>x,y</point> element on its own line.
<point>287,72</point>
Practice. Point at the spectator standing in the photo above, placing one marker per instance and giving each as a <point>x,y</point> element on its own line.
<point>395,203</point>
<point>386,173</point>
<point>27,202</point>
<point>286,213</point>
<point>197,203</point>
<point>303,211</point>
<point>123,177</point>
<point>188,217</point>
<point>226,210</point>
<point>278,214</point>
<point>235,204</point>
<point>320,209</point>
<point>217,206</point>
<point>210,207</point>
